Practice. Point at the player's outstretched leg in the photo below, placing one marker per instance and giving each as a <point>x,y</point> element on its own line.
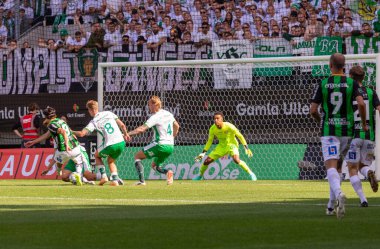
<point>245,167</point>
<point>169,177</point>
<point>140,171</point>
<point>373,181</point>
<point>201,172</point>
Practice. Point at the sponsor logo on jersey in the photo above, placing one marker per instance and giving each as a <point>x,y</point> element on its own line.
<point>333,150</point>
<point>352,155</point>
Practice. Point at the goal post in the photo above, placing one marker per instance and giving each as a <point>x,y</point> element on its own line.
<point>266,98</point>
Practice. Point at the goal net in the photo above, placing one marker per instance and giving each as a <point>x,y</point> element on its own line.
<point>266,98</point>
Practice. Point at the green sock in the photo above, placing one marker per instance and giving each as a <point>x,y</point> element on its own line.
<point>245,167</point>
<point>203,169</point>
<point>102,170</point>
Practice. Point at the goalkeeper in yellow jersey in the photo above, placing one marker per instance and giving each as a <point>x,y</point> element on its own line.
<point>226,133</point>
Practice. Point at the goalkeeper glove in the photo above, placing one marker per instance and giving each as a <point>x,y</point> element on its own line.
<point>199,157</point>
<point>248,152</point>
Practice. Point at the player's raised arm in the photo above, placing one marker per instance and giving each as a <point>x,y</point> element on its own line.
<point>41,138</point>
<point>82,133</point>
<point>141,129</point>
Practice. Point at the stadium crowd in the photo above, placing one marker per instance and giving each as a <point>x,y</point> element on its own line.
<point>116,22</point>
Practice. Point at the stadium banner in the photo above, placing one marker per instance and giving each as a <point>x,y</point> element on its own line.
<point>149,78</point>
<point>224,168</point>
<point>227,76</point>
<point>26,163</point>
<point>364,45</point>
<point>272,47</point>
<point>300,47</point>
<point>326,45</point>
<point>29,164</point>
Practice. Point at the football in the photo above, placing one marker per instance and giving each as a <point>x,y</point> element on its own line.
<point>114,183</point>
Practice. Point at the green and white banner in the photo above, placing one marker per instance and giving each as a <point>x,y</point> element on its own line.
<point>326,46</point>
<point>272,47</point>
<point>236,76</point>
<point>365,45</point>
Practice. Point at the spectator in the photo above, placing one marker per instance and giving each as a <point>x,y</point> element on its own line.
<point>127,11</point>
<point>125,40</point>
<point>190,27</point>
<point>256,31</point>
<point>355,25</point>
<point>174,37</point>
<point>71,8</point>
<point>112,38</point>
<point>325,23</point>
<point>157,38</point>
<point>62,42</point>
<point>218,18</point>
<point>26,45</point>
<point>284,8</point>
<point>313,29</point>
<point>238,30</point>
<point>29,124</point>
<point>42,43</point>
<point>96,38</point>
<point>10,23</point>
<point>326,8</point>
<point>271,14</point>
<point>302,20</point>
<point>205,37</point>
<point>227,36</point>
<point>25,23</point>
<point>187,38</point>
<point>138,32</point>
<point>29,11</point>
<point>181,28</point>
<point>342,29</point>
<point>91,11</point>
<point>367,30</point>
<point>76,44</point>
<point>177,12</point>
<point>140,40</point>
<point>113,6</point>
<point>247,35</point>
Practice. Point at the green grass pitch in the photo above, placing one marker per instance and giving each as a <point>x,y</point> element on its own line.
<point>206,214</point>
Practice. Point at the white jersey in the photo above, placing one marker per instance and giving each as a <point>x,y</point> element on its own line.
<point>105,124</point>
<point>162,124</point>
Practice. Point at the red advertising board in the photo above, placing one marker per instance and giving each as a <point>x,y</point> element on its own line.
<point>26,163</point>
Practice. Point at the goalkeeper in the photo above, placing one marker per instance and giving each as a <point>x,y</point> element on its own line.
<point>226,133</point>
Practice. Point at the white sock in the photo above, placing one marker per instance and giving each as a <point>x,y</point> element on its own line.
<point>332,199</point>
<point>98,176</point>
<point>334,181</point>
<point>357,185</point>
<point>364,171</point>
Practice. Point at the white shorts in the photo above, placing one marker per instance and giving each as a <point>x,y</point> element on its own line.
<point>74,154</point>
<point>361,151</point>
<point>333,147</point>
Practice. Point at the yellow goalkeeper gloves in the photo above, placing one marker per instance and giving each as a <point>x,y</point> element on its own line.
<point>248,152</point>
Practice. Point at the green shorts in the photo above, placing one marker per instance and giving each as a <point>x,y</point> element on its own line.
<point>220,151</point>
<point>159,152</point>
<point>86,162</point>
<point>113,151</point>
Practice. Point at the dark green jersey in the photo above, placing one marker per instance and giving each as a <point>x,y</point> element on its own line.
<point>59,140</point>
<point>336,95</point>
<point>372,101</point>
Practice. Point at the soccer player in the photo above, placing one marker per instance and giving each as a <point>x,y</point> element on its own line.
<point>336,94</point>
<point>70,167</point>
<point>226,133</point>
<point>165,128</point>
<point>361,153</point>
<point>68,147</point>
<point>114,134</point>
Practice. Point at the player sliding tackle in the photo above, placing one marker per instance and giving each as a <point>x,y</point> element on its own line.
<point>226,133</point>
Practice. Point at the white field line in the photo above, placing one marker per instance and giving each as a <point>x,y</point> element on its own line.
<point>286,203</point>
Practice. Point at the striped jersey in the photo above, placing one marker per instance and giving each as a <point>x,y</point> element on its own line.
<point>59,140</point>
<point>372,101</point>
<point>336,95</point>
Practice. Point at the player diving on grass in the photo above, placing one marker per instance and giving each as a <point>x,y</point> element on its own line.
<point>226,133</point>
<point>165,128</point>
<point>113,133</point>
<point>67,146</point>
